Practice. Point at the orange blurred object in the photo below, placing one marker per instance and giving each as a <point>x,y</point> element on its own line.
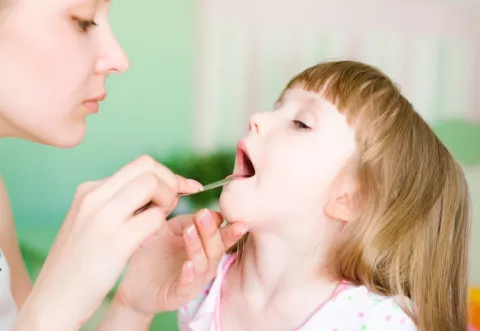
<point>474,315</point>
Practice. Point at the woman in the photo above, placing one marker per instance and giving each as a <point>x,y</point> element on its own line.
<point>55,56</point>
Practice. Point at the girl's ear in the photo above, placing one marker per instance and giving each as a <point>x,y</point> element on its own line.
<point>343,202</point>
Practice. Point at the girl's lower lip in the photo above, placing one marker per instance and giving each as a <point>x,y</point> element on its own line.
<point>91,106</point>
<point>234,177</point>
<point>237,177</point>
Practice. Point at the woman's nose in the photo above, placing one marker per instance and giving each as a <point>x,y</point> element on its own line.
<point>112,58</point>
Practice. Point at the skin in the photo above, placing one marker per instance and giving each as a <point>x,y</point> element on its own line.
<point>300,197</point>
<point>55,58</point>
<point>20,280</point>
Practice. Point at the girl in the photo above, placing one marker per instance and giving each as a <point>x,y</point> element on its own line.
<point>358,216</point>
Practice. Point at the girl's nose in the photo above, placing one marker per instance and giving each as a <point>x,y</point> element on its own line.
<point>258,123</point>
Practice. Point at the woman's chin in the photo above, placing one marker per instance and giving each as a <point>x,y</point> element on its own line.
<point>66,138</point>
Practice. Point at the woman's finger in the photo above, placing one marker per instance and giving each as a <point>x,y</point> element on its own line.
<point>207,224</point>
<point>135,194</point>
<point>179,223</point>
<point>232,233</point>
<point>132,170</point>
<point>185,286</point>
<point>195,252</point>
<point>163,197</point>
<point>135,232</point>
<point>71,218</point>
<point>217,217</point>
<point>174,205</point>
<point>187,276</point>
<point>186,185</point>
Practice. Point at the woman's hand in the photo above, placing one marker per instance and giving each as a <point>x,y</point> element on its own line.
<point>158,278</point>
<point>97,239</point>
<point>176,266</point>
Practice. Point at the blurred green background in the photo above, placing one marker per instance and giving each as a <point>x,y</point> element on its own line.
<point>149,111</point>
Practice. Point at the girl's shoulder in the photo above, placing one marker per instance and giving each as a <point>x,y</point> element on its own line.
<point>356,308</point>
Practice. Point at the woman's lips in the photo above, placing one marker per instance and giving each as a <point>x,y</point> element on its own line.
<point>92,105</point>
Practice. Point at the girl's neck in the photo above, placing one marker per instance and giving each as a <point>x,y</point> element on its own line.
<point>273,270</point>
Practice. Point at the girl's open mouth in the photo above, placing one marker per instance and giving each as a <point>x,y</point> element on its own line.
<point>244,167</point>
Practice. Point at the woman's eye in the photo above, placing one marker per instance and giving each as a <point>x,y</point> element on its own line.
<point>85,25</point>
<point>300,125</point>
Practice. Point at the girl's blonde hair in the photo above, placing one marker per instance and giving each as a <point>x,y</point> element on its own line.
<point>412,237</point>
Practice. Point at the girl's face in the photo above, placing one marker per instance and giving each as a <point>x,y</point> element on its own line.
<point>55,56</point>
<point>296,151</point>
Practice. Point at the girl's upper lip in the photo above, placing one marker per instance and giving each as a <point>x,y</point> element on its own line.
<point>243,164</point>
<point>242,148</point>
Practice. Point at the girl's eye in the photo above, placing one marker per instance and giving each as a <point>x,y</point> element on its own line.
<point>300,125</point>
<point>85,25</point>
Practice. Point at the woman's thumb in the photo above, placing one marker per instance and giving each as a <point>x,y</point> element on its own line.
<point>142,226</point>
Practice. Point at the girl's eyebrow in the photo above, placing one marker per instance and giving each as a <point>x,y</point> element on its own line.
<point>307,103</point>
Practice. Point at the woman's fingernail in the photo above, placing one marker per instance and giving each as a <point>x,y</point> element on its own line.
<point>191,233</point>
<point>205,218</point>
<point>194,184</point>
<point>189,266</point>
<point>243,230</point>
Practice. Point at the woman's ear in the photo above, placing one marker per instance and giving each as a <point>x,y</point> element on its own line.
<point>343,202</point>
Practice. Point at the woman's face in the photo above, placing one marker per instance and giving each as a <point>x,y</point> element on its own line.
<point>55,56</point>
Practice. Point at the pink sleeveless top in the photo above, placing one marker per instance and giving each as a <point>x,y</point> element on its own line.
<point>351,308</point>
<point>8,307</point>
